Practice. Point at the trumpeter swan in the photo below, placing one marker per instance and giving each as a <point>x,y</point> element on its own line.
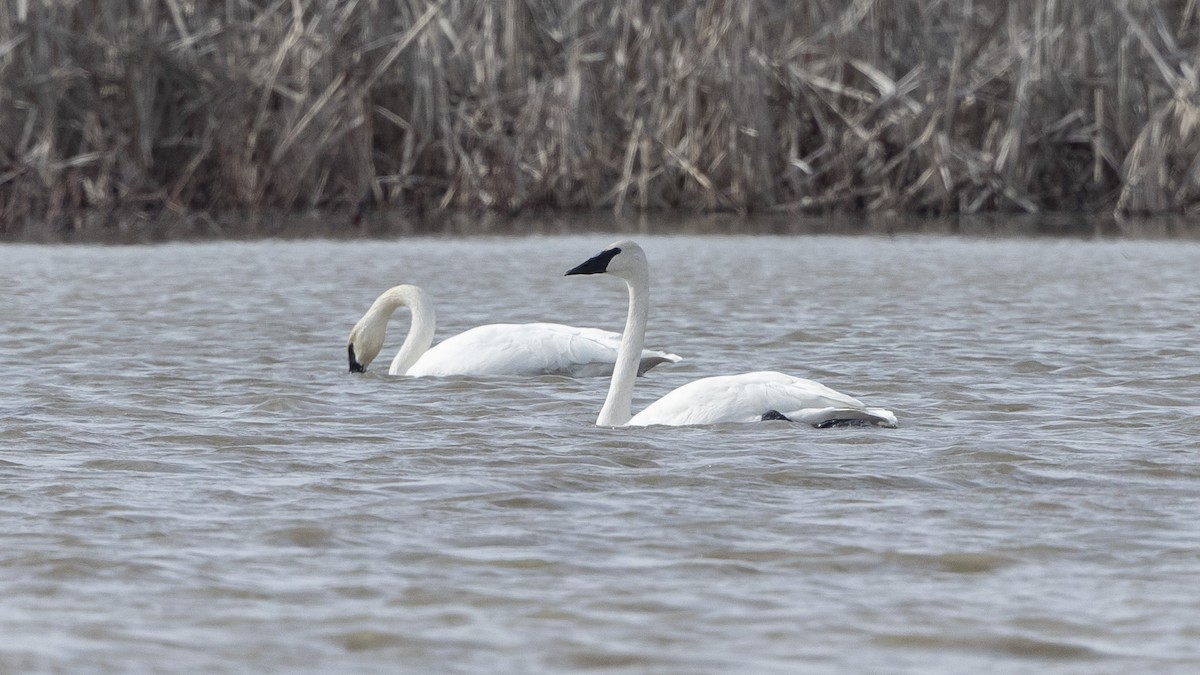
<point>749,397</point>
<point>494,349</point>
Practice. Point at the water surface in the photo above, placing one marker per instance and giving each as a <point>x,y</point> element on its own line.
<point>192,482</point>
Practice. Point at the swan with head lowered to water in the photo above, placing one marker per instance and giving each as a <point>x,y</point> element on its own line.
<point>494,349</point>
<point>749,397</point>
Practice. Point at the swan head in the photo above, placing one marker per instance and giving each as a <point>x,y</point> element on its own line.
<point>364,343</point>
<point>624,259</point>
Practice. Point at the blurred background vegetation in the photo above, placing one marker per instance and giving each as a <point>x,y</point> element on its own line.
<point>111,107</point>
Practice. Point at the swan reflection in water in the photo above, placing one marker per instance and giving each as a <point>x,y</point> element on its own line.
<point>493,349</point>
<point>748,397</point>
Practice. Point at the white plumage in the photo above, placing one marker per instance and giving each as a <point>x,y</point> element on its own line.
<point>749,397</point>
<point>493,349</point>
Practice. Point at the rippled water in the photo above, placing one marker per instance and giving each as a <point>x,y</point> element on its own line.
<point>191,482</point>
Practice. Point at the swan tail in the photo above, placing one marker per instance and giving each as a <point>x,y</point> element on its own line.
<point>826,418</point>
<point>882,418</point>
<point>652,359</point>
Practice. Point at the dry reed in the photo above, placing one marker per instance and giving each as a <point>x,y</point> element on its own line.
<point>918,106</point>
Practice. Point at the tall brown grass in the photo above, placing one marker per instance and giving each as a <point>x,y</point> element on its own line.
<point>923,106</point>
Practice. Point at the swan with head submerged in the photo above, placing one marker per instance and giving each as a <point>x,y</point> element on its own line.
<point>749,397</point>
<point>494,349</point>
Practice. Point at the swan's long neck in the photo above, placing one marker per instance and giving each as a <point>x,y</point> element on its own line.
<point>420,332</point>
<point>618,405</point>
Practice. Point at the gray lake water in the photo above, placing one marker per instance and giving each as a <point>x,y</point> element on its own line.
<point>191,482</point>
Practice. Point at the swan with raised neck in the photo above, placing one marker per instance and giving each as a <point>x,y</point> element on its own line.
<point>748,397</point>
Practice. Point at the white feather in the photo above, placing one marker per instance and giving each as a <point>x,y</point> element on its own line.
<point>748,396</point>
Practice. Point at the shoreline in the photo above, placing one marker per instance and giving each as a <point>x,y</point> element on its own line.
<point>141,228</point>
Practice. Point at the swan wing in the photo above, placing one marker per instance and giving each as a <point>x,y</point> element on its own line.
<point>528,349</point>
<point>750,396</point>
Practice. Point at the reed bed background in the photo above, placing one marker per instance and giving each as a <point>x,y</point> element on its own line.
<point>910,106</point>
